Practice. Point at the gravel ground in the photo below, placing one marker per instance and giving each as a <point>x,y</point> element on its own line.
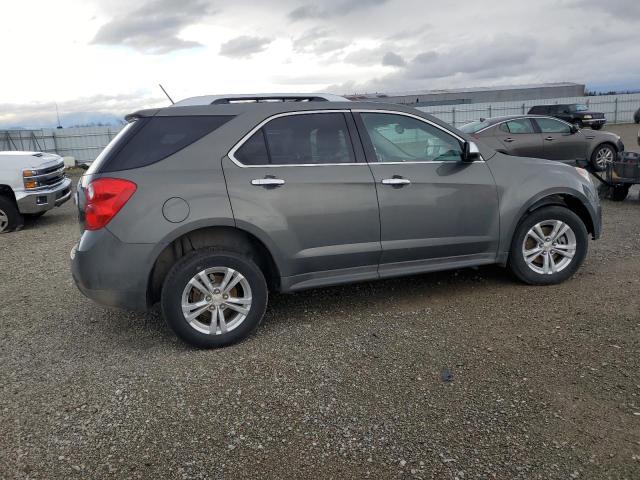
<point>337,383</point>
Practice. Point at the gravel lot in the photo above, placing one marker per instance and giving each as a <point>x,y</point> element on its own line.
<point>337,383</point>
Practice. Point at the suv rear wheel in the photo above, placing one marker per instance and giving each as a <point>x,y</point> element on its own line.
<point>10,217</point>
<point>548,247</point>
<point>213,298</point>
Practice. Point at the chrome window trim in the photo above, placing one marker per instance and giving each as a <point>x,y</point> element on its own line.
<point>424,120</point>
<point>527,117</point>
<point>244,139</point>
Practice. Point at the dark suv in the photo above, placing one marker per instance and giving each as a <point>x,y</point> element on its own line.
<point>575,113</point>
<point>208,205</point>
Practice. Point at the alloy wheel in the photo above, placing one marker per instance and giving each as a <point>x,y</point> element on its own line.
<point>604,157</point>
<point>216,300</point>
<point>549,247</point>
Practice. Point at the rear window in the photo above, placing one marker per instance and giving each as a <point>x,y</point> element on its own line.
<point>474,127</point>
<point>149,140</point>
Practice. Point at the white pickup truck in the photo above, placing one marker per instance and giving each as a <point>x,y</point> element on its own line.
<point>30,184</point>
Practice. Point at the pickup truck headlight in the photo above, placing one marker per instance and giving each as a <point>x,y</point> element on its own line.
<point>29,182</point>
<point>587,117</point>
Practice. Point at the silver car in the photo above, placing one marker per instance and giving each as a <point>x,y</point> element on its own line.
<point>547,137</point>
<point>209,205</point>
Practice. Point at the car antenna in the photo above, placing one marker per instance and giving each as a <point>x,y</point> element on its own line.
<point>165,92</point>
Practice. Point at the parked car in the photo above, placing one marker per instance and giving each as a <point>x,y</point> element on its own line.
<point>636,116</point>
<point>30,184</point>
<point>206,208</point>
<point>574,113</point>
<point>546,137</point>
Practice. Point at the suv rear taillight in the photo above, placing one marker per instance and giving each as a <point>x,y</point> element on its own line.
<point>105,198</point>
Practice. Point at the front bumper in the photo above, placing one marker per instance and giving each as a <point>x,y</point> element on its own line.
<point>112,272</point>
<point>36,201</point>
<point>594,121</point>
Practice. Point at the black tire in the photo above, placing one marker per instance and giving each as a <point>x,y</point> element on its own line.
<point>620,192</point>
<point>188,267</point>
<point>34,215</point>
<point>519,266</point>
<point>10,218</point>
<point>594,156</point>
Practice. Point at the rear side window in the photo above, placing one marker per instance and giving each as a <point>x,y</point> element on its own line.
<point>549,125</point>
<point>303,139</point>
<point>539,110</point>
<point>156,138</point>
<point>520,126</point>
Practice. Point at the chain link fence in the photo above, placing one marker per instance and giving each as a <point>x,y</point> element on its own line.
<point>85,143</point>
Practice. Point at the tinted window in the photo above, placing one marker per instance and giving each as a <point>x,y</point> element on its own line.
<point>156,138</point>
<point>254,150</point>
<point>548,125</point>
<point>315,138</point>
<point>398,138</point>
<point>522,125</point>
<point>538,110</point>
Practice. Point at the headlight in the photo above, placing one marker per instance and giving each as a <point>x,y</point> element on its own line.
<point>587,117</point>
<point>584,174</point>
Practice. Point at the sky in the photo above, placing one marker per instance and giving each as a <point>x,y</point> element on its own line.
<point>107,57</point>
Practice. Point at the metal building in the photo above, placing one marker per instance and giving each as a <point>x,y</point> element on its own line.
<point>460,96</point>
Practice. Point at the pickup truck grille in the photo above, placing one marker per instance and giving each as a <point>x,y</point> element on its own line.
<point>49,177</point>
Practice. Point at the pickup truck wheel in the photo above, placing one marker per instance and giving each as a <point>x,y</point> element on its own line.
<point>213,298</point>
<point>602,156</point>
<point>548,247</point>
<point>10,218</point>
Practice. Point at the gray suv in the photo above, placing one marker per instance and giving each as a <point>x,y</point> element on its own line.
<point>207,205</point>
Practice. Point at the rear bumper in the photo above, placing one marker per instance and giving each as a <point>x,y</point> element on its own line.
<point>112,272</point>
<point>42,200</point>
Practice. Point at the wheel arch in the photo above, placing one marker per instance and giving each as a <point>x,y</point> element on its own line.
<point>563,198</point>
<point>223,236</point>
<point>7,191</point>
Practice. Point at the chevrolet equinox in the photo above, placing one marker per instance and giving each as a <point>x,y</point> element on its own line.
<point>207,205</point>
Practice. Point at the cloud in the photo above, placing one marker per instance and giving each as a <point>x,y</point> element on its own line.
<point>624,9</point>
<point>155,26</point>
<point>331,8</point>
<point>319,41</point>
<point>391,59</point>
<point>244,46</point>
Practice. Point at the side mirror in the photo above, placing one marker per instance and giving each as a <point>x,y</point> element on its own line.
<point>574,129</point>
<point>470,152</point>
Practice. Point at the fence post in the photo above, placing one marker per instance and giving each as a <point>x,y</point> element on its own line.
<point>490,111</point>
<point>523,109</point>
<point>453,116</point>
<point>615,111</point>
<point>55,140</point>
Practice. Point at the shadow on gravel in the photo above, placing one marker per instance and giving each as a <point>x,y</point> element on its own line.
<point>45,221</point>
<point>146,332</point>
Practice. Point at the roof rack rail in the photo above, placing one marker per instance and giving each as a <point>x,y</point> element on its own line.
<point>259,98</point>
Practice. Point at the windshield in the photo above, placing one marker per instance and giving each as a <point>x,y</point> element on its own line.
<point>579,108</point>
<point>476,126</point>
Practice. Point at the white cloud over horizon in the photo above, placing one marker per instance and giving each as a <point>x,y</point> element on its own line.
<point>109,56</point>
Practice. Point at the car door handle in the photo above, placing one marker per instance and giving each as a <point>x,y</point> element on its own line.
<point>509,140</point>
<point>549,139</point>
<point>396,181</point>
<point>267,182</point>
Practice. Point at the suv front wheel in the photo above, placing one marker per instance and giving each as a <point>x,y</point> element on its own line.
<point>213,298</point>
<point>548,247</point>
